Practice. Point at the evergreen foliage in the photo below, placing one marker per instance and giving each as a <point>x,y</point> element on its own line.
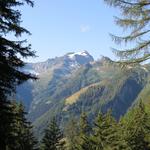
<point>11,54</point>
<point>72,134</point>
<point>132,132</point>
<point>12,51</point>
<point>105,132</point>
<point>137,129</point>
<point>6,118</point>
<point>21,135</point>
<point>135,20</point>
<point>18,135</point>
<point>53,138</point>
<point>84,125</point>
<point>84,133</point>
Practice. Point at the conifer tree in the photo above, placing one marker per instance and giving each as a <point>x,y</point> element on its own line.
<point>101,133</point>
<point>122,143</point>
<point>53,138</point>
<point>106,134</point>
<point>138,129</point>
<point>21,136</point>
<point>6,119</point>
<point>72,134</point>
<point>84,124</point>
<point>84,134</point>
<point>11,52</point>
<point>136,20</point>
<point>97,138</point>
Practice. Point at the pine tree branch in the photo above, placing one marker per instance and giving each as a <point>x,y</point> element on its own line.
<point>129,38</point>
<point>141,49</point>
<point>132,3</point>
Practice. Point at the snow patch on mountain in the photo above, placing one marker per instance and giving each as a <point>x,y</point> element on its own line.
<point>83,53</point>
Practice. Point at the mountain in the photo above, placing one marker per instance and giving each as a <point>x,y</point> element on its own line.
<point>74,83</point>
<point>49,73</point>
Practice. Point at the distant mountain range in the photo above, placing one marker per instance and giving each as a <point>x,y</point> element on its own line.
<point>75,83</point>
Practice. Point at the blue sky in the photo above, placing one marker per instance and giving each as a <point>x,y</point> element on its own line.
<point>61,26</point>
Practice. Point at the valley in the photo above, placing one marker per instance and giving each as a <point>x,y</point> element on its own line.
<point>76,83</point>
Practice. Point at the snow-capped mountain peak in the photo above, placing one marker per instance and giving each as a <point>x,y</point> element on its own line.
<point>65,64</point>
<point>80,58</point>
<point>83,53</point>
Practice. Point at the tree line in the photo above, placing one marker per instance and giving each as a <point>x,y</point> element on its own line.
<point>131,132</point>
<point>16,132</point>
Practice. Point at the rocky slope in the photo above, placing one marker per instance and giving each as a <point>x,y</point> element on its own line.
<point>74,83</point>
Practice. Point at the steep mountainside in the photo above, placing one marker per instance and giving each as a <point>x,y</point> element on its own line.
<point>74,83</point>
<point>53,73</point>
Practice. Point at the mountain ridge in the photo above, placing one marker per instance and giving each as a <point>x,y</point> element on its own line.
<point>74,83</point>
